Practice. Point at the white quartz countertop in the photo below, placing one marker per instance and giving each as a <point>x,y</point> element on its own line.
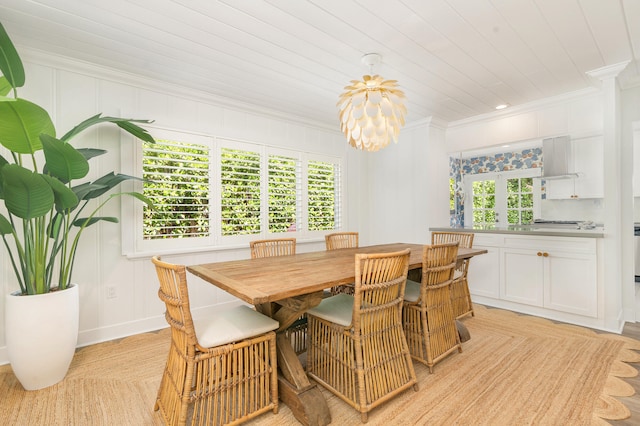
<point>536,229</point>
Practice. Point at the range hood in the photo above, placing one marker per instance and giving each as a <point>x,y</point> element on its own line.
<point>556,157</point>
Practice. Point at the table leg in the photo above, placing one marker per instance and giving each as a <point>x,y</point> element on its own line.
<point>303,398</point>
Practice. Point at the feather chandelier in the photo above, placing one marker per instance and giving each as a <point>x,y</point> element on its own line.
<point>371,110</point>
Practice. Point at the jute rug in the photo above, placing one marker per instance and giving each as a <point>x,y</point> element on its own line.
<point>515,370</point>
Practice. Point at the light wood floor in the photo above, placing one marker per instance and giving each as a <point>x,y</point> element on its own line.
<point>633,403</point>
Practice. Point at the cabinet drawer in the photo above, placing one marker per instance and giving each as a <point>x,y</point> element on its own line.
<point>488,240</point>
<point>553,244</point>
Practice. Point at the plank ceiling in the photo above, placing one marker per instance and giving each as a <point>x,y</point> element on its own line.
<point>453,58</point>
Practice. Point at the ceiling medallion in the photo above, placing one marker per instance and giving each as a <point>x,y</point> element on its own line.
<point>371,110</point>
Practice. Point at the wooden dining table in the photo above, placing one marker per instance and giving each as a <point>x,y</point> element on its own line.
<point>284,288</point>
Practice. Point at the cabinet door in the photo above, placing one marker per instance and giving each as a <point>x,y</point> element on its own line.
<point>586,161</point>
<point>522,276</point>
<point>484,273</point>
<point>588,154</point>
<point>636,161</point>
<point>571,283</point>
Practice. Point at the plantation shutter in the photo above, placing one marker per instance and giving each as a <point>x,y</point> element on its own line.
<point>284,193</point>
<point>240,192</point>
<point>177,182</point>
<point>323,186</point>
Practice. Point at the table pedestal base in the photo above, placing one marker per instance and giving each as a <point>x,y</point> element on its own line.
<point>307,405</point>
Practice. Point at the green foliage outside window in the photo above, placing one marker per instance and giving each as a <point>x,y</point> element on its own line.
<point>240,198</point>
<point>283,194</point>
<point>484,202</point>
<point>322,192</point>
<point>520,201</point>
<point>177,181</point>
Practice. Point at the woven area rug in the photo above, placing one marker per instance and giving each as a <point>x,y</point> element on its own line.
<point>515,370</point>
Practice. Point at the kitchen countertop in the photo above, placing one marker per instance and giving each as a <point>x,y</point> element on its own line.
<point>547,230</point>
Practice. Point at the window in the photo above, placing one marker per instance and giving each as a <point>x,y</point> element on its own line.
<point>322,186</point>
<point>240,192</point>
<point>176,178</point>
<point>213,192</point>
<point>502,199</point>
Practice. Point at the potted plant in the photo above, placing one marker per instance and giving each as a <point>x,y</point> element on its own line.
<point>46,214</point>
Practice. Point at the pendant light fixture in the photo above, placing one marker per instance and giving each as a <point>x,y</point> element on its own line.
<point>371,110</point>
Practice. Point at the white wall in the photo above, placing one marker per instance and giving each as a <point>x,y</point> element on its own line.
<point>73,91</point>
<point>409,186</point>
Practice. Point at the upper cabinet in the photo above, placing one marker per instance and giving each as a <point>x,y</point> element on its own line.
<point>584,160</point>
<point>636,159</point>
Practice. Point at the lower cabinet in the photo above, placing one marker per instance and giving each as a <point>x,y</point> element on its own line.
<point>555,273</point>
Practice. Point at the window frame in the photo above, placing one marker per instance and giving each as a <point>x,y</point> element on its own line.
<point>133,243</point>
<point>501,193</point>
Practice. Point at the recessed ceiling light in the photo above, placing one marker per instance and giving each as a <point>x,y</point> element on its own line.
<point>502,106</point>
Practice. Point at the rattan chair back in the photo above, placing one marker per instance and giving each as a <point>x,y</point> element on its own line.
<point>339,240</point>
<point>272,247</point>
<point>460,294</point>
<point>429,322</point>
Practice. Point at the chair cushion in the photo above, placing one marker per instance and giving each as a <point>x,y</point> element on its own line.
<point>337,309</point>
<point>232,325</point>
<point>412,291</point>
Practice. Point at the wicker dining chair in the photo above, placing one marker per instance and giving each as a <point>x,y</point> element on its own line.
<point>460,295</point>
<point>297,332</point>
<point>222,368</point>
<point>427,317</point>
<point>357,348</point>
<point>340,240</point>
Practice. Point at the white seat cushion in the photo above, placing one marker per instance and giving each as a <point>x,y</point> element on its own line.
<point>337,309</point>
<point>232,325</point>
<point>412,291</point>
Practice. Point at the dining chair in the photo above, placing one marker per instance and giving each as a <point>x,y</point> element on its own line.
<point>357,348</point>
<point>341,240</point>
<point>297,332</point>
<point>460,295</point>
<point>428,319</point>
<point>221,368</point>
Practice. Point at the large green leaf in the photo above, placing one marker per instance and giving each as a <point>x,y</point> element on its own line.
<point>27,194</point>
<point>65,198</point>
<point>22,124</point>
<point>63,161</point>
<point>5,225</point>
<point>89,153</point>
<point>10,63</point>
<point>125,124</point>
<point>81,221</point>
<point>107,182</point>
<point>5,88</point>
<point>84,189</point>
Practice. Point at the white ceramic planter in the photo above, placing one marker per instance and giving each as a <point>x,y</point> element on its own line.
<point>42,333</point>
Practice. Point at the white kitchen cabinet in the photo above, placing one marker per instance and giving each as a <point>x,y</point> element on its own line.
<point>552,277</point>
<point>522,276</point>
<point>636,160</point>
<point>544,275</point>
<point>484,271</point>
<point>585,160</point>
